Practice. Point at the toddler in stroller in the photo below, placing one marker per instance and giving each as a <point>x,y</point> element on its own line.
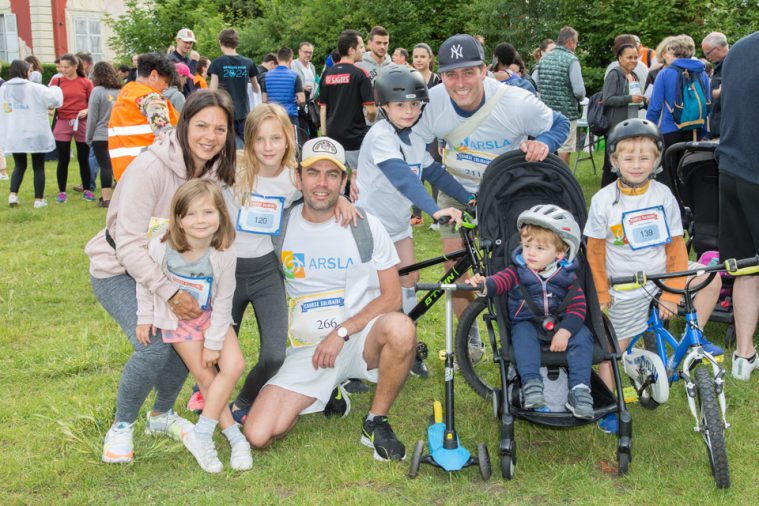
<point>546,305</point>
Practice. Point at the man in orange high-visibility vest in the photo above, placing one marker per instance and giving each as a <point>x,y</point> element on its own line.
<point>140,113</point>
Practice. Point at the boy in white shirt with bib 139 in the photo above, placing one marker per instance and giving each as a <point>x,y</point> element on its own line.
<point>633,225</point>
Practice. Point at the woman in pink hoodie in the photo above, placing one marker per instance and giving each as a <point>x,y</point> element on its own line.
<point>202,146</point>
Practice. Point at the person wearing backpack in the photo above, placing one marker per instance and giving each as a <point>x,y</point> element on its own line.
<point>622,98</point>
<point>681,100</point>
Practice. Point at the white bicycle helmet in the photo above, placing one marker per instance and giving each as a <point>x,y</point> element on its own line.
<point>640,365</point>
<point>557,220</point>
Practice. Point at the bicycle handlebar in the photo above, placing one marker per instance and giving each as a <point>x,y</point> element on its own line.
<point>742,267</point>
<point>454,287</point>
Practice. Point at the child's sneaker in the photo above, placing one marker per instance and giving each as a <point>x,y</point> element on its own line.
<point>39,204</point>
<point>4,176</point>
<point>742,367</point>
<point>710,347</point>
<point>609,424</point>
<point>61,198</point>
<point>89,196</point>
<point>533,396</point>
<point>339,403</point>
<point>241,459</point>
<point>169,424</point>
<point>580,402</point>
<point>204,452</point>
<point>117,446</point>
<point>239,415</point>
<point>196,403</point>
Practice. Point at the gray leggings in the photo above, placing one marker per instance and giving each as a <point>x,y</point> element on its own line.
<point>154,366</point>
<point>260,282</point>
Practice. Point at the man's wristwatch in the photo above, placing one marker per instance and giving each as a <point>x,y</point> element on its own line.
<point>342,333</point>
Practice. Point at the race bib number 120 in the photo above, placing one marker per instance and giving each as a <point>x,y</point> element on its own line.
<point>262,215</point>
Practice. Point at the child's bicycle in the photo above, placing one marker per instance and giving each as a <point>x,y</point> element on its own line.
<point>652,370</point>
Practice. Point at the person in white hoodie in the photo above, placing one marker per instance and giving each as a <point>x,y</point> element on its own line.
<point>376,58</point>
<point>24,127</point>
<point>202,146</point>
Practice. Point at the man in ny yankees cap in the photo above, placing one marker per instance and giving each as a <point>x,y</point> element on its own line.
<point>480,118</point>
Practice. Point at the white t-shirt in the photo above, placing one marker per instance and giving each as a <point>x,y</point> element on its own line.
<point>376,193</point>
<point>252,245</point>
<point>518,114</point>
<point>605,222</point>
<point>316,256</point>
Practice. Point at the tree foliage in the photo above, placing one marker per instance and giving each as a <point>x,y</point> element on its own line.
<point>266,25</point>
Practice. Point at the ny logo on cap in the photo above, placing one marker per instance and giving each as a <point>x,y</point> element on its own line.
<point>457,51</point>
<point>325,146</point>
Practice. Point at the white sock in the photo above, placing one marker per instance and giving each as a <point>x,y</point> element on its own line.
<point>233,434</point>
<point>409,299</point>
<point>205,427</point>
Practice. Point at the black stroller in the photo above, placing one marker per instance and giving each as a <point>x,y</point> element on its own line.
<point>694,179</point>
<point>509,186</point>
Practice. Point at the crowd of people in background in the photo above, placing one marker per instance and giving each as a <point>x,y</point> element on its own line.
<point>199,148</point>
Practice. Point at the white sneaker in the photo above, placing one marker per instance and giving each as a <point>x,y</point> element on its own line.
<point>38,204</point>
<point>241,458</point>
<point>204,452</point>
<point>742,367</point>
<point>118,447</point>
<point>4,177</point>
<point>169,424</point>
<point>12,200</point>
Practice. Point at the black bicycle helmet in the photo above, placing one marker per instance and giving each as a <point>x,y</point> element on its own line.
<point>398,83</point>
<point>635,127</point>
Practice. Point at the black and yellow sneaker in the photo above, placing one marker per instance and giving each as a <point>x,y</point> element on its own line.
<point>379,435</point>
<point>339,403</point>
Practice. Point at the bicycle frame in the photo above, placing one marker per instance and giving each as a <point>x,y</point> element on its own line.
<point>466,258</point>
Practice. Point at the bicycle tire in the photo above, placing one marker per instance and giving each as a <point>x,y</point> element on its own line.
<point>712,427</point>
<point>470,317</point>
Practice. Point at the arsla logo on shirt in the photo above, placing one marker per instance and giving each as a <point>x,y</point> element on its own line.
<point>338,79</point>
<point>294,264</point>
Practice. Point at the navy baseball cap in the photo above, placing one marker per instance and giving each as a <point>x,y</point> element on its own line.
<point>460,51</point>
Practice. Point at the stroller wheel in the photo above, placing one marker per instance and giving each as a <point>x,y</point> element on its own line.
<point>623,462</point>
<point>416,459</point>
<point>509,463</point>
<point>483,458</point>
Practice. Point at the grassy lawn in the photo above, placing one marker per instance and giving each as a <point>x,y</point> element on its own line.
<point>63,356</point>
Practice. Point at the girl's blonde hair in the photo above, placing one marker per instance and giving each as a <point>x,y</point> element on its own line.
<point>247,163</point>
<point>188,193</point>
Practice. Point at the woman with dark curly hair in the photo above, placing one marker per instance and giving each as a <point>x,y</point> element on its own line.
<point>107,86</point>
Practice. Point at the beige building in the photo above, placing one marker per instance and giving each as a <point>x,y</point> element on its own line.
<point>50,28</point>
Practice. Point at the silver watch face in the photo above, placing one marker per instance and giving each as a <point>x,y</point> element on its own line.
<point>342,332</point>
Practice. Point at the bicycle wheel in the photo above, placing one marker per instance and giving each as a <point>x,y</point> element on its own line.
<point>712,426</point>
<point>482,377</point>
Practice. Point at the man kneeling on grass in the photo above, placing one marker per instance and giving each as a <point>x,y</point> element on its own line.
<point>344,293</point>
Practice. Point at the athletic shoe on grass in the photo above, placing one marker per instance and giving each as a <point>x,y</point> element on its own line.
<point>742,367</point>
<point>609,424</point>
<point>169,424</point>
<point>204,452</point>
<point>379,435</point>
<point>117,446</point>
<point>89,196</point>
<point>241,458</point>
<point>61,198</point>
<point>196,403</point>
<point>339,403</point>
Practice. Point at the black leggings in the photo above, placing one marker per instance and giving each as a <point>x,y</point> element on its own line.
<point>64,154</point>
<point>104,160</point>
<point>38,166</point>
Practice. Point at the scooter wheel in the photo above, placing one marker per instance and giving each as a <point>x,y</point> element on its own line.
<point>483,458</point>
<point>416,459</point>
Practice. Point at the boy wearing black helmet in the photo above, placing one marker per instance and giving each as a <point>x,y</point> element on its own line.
<point>546,305</point>
<point>633,225</point>
<point>393,163</point>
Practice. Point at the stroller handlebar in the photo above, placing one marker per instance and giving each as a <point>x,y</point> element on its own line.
<point>454,287</point>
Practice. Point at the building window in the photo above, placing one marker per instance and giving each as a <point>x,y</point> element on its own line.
<point>8,38</point>
<point>88,38</point>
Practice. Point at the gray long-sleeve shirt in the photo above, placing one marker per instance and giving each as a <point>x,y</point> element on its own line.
<point>99,113</point>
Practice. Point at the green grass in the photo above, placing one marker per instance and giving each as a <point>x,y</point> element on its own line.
<point>62,359</point>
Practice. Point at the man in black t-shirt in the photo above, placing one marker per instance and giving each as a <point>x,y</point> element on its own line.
<point>185,39</point>
<point>345,90</point>
<point>232,72</point>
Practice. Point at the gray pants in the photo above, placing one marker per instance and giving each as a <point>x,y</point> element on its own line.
<point>260,282</point>
<point>156,366</point>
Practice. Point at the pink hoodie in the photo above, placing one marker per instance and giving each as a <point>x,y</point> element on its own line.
<point>144,191</point>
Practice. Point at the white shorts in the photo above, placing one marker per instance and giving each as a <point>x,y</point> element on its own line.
<point>297,374</point>
<point>570,145</point>
<point>629,317</point>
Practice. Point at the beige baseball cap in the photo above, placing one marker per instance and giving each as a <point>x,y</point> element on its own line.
<point>186,35</point>
<point>323,148</point>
